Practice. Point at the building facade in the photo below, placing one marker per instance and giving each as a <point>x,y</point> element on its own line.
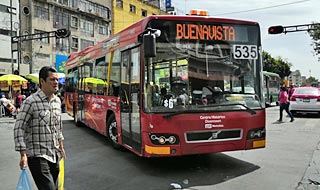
<point>127,12</point>
<point>5,35</point>
<point>88,21</point>
<point>295,78</point>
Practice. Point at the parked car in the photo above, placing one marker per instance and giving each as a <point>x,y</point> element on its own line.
<point>305,100</point>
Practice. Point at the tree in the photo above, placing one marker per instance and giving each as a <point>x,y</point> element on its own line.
<point>311,80</point>
<point>282,67</point>
<point>315,35</point>
<point>276,65</point>
<point>268,62</point>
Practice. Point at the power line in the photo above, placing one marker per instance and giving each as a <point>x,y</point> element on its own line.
<point>262,8</point>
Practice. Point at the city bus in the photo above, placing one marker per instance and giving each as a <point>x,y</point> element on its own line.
<point>271,86</point>
<point>167,86</point>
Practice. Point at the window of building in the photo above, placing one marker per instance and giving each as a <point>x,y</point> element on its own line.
<point>40,11</point>
<point>74,21</point>
<point>43,38</point>
<point>103,29</point>
<point>144,13</point>
<point>86,27</point>
<point>62,44</point>
<point>74,43</point>
<point>119,3</point>
<point>74,3</point>
<point>82,5</point>
<point>60,19</point>
<point>132,8</point>
<point>86,43</point>
<point>64,2</point>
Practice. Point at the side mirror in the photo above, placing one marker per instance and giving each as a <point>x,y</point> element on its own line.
<point>149,44</point>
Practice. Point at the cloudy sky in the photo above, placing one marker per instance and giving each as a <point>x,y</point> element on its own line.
<point>294,47</point>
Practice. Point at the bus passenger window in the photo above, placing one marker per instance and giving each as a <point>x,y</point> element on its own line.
<point>114,89</point>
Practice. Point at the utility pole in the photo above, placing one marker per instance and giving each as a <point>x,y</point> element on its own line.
<point>11,32</point>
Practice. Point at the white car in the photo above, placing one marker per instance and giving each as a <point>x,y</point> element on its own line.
<point>305,99</point>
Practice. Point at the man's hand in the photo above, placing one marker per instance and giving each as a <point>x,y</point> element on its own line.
<point>63,154</point>
<point>23,161</point>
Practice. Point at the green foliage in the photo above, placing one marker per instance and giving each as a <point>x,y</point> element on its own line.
<point>315,35</point>
<point>311,80</point>
<point>276,65</point>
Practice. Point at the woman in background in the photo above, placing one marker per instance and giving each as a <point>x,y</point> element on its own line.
<point>284,103</point>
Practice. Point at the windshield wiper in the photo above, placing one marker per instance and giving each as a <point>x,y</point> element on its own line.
<point>253,112</point>
<point>167,116</point>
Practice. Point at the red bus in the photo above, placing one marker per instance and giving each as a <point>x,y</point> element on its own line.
<point>165,86</point>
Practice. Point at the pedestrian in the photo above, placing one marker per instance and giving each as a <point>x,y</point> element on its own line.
<point>38,132</point>
<point>18,100</point>
<point>284,103</point>
<point>290,91</point>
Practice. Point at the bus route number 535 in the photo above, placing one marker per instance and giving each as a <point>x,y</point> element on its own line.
<point>245,52</point>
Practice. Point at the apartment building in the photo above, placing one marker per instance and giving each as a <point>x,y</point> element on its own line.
<point>5,34</point>
<point>127,12</point>
<point>295,78</point>
<point>88,21</point>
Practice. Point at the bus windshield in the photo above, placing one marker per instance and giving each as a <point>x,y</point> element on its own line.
<point>204,66</point>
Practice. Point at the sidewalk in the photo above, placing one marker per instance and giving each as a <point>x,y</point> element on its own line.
<point>9,159</point>
<point>8,120</point>
<point>11,120</point>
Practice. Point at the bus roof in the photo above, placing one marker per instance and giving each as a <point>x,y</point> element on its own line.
<point>267,73</point>
<point>130,34</point>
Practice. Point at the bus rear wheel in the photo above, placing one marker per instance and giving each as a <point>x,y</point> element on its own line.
<point>112,132</point>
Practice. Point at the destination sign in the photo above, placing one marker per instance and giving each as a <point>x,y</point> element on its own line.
<point>205,32</point>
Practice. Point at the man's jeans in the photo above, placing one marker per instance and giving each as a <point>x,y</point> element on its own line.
<point>44,173</point>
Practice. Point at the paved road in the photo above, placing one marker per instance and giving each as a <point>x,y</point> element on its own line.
<point>290,161</point>
<point>9,159</point>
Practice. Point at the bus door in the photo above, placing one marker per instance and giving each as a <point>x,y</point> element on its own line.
<point>81,90</point>
<point>129,94</point>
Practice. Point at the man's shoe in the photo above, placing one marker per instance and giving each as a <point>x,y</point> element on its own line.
<point>279,120</point>
<point>292,120</point>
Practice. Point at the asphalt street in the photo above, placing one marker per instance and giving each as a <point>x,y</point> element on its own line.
<point>9,160</point>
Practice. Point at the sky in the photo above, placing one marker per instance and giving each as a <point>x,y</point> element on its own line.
<point>293,47</point>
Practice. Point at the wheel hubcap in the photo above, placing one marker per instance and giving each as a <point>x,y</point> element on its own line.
<point>113,132</point>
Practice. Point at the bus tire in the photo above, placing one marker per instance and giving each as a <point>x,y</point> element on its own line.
<point>112,132</point>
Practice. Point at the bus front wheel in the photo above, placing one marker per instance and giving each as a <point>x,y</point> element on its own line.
<point>112,132</point>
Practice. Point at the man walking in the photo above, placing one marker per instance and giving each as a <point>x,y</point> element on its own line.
<point>38,132</point>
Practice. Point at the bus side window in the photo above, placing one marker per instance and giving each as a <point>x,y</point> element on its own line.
<point>114,90</point>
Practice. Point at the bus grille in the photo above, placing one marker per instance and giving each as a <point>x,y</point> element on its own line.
<point>213,135</point>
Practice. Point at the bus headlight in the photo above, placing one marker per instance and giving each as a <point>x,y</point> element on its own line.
<point>172,139</point>
<point>256,133</point>
<point>164,139</point>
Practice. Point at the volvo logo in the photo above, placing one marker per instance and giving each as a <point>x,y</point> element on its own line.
<point>214,135</point>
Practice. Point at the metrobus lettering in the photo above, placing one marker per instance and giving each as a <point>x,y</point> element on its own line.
<point>205,32</point>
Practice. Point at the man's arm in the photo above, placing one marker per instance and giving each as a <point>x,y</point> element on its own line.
<point>62,149</point>
<point>19,133</point>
